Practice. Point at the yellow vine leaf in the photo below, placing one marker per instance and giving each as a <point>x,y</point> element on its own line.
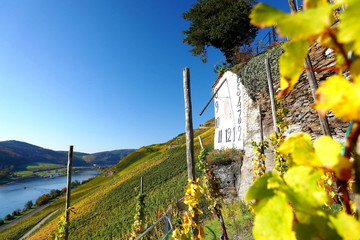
<point>314,3</point>
<point>346,226</point>
<point>263,15</point>
<point>349,29</point>
<point>326,40</point>
<point>355,70</point>
<point>291,64</point>
<point>295,26</point>
<point>300,147</point>
<point>326,153</point>
<point>341,96</point>
<point>329,153</point>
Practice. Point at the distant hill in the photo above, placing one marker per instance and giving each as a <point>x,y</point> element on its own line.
<point>18,155</point>
<point>107,158</point>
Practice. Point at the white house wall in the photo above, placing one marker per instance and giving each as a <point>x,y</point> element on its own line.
<point>229,114</point>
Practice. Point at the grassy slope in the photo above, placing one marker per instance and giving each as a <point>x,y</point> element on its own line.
<point>105,206</point>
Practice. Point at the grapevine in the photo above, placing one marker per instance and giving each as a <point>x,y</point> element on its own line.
<point>291,205</point>
<point>208,186</point>
<point>60,231</point>
<point>63,225</point>
<point>139,219</point>
<point>211,187</point>
<point>277,138</point>
<point>190,229</point>
<point>259,162</point>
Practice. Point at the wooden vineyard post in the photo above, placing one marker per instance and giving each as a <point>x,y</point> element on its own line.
<point>261,130</point>
<point>271,93</point>
<point>312,80</point>
<point>313,86</point>
<point>189,125</point>
<point>68,189</point>
<point>141,185</point>
<point>189,135</point>
<point>201,143</point>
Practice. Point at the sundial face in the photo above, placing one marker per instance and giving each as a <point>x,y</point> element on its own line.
<point>228,112</point>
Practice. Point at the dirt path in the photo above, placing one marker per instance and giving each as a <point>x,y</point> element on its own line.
<point>38,225</point>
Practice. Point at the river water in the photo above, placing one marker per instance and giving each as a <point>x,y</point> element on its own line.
<point>14,195</point>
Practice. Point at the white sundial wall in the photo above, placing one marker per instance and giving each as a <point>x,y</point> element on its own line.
<point>229,119</point>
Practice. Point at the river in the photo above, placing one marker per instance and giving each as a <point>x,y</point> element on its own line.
<point>14,195</point>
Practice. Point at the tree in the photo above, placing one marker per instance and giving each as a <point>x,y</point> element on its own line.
<point>16,212</point>
<point>8,217</point>
<point>1,222</point>
<point>55,193</point>
<point>28,205</point>
<point>221,24</point>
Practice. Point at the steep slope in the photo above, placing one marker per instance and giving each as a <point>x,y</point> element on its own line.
<point>106,205</point>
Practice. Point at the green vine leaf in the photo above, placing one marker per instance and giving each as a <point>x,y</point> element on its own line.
<point>261,189</point>
<point>275,220</point>
<point>295,26</point>
<point>303,191</point>
<point>264,15</point>
<point>291,64</point>
<point>349,29</point>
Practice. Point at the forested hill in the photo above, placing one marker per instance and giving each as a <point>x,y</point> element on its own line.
<point>16,155</point>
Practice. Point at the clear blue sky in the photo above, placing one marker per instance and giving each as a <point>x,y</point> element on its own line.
<point>99,75</point>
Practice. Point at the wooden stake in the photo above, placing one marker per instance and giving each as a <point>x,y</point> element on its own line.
<point>313,86</point>
<point>189,125</point>
<point>312,80</point>
<point>271,93</point>
<point>141,185</point>
<point>68,190</point>
<point>201,143</point>
<point>261,130</point>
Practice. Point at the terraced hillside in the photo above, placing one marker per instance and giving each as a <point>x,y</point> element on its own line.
<point>104,207</point>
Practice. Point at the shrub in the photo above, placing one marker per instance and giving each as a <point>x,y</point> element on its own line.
<point>43,199</point>
<point>224,157</point>
<point>88,180</point>
<point>55,193</point>
<point>1,222</point>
